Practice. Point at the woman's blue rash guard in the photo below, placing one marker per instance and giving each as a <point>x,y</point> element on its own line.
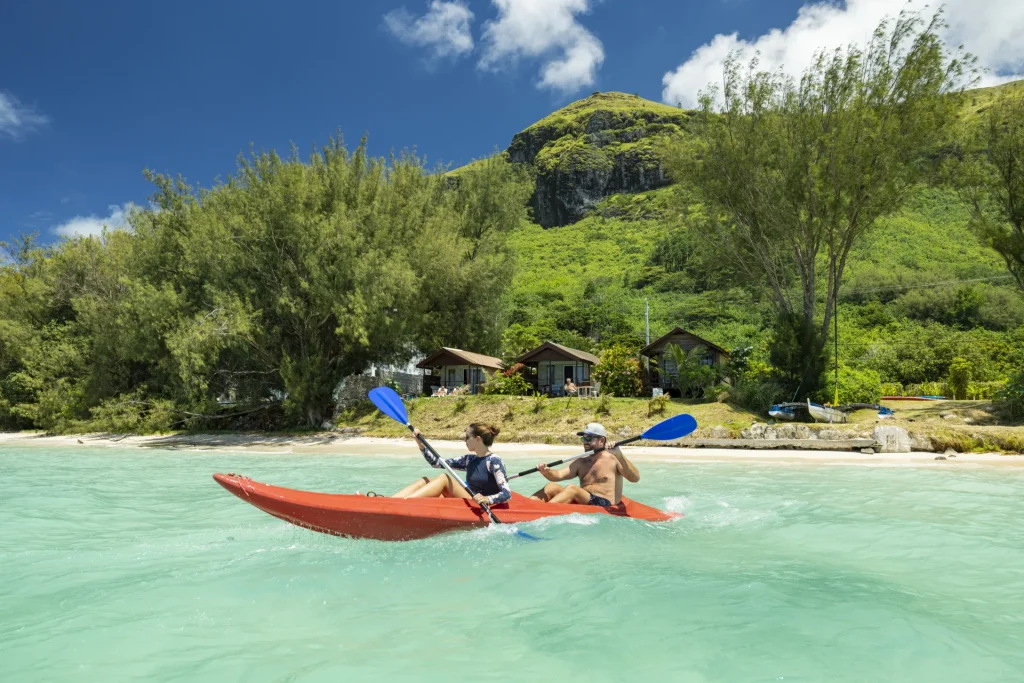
<point>484,475</point>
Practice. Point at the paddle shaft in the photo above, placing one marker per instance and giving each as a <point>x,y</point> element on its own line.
<point>574,457</point>
<point>452,474</point>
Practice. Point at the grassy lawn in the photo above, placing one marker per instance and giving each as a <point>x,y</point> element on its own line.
<point>545,420</point>
<point>962,425</point>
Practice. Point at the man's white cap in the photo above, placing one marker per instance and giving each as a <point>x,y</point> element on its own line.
<point>594,429</point>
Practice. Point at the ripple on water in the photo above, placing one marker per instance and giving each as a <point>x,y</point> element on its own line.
<point>121,565</point>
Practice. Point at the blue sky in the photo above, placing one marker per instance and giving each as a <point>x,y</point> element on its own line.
<point>93,93</point>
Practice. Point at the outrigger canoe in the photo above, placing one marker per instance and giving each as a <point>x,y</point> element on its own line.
<point>406,519</point>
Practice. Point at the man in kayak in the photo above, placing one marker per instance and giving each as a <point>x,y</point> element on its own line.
<point>485,471</point>
<point>600,474</point>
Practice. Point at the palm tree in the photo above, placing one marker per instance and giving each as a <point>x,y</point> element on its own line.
<point>693,376</point>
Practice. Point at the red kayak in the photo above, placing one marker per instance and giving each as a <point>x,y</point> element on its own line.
<point>404,519</point>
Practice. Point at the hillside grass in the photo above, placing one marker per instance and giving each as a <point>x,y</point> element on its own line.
<point>965,426</point>
<point>532,420</point>
<point>977,101</point>
<point>571,116</point>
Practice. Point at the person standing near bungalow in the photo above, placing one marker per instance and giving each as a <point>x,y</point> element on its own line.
<point>600,474</point>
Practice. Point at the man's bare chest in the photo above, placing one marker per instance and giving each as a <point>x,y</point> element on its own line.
<point>599,472</point>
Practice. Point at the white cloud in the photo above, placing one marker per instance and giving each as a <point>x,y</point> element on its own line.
<point>92,226</point>
<point>990,30</point>
<point>444,29</point>
<point>545,29</point>
<point>17,119</point>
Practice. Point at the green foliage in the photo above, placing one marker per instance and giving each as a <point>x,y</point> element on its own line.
<point>855,386</point>
<point>795,174</point>
<point>984,391</point>
<point>270,288</point>
<point>619,372</point>
<point>621,106</point>
<point>513,384</point>
<point>796,353</point>
<point>964,307</point>
<point>129,414</point>
<point>693,378</point>
<point>756,393</point>
<point>460,404</point>
<point>604,405</point>
<point>657,404</point>
<point>989,175</point>
<point>539,401</point>
<point>959,377</point>
<point>1010,399</point>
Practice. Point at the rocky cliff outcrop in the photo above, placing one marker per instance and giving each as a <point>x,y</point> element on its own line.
<point>603,145</point>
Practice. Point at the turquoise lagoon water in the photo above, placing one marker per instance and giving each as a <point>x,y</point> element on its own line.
<point>134,565</point>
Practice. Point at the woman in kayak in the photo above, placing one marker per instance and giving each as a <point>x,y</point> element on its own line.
<point>485,472</point>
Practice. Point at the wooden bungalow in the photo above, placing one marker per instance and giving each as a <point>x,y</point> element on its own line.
<point>455,368</point>
<point>663,368</point>
<point>553,364</point>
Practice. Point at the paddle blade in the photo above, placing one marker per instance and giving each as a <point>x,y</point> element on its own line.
<point>673,428</point>
<point>389,403</point>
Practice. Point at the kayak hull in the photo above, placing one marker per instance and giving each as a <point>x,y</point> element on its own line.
<point>405,519</point>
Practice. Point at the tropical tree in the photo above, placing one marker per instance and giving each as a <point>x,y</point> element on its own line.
<point>792,175</point>
<point>619,372</point>
<point>989,174</point>
<point>694,376</point>
<point>264,291</point>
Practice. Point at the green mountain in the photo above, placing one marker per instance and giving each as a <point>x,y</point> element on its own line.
<point>606,239</point>
<point>592,149</point>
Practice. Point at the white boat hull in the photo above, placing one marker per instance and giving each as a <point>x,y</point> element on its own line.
<point>823,414</point>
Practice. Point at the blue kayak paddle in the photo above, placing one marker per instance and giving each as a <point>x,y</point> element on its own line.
<point>667,430</point>
<point>390,403</point>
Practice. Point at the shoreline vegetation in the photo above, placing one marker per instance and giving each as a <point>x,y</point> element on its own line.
<point>857,238</point>
<point>934,427</point>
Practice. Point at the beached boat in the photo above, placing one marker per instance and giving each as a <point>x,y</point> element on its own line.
<point>825,414</point>
<point>883,412</point>
<point>403,519</point>
<point>789,412</point>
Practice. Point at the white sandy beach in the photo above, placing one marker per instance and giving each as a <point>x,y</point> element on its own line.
<point>358,445</point>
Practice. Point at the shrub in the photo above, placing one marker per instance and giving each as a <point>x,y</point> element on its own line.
<point>619,372</point>
<point>461,402</point>
<point>538,402</point>
<point>693,378</point>
<point>984,391</point>
<point>128,414</point>
<point>657,405</point>
<point>1010,399</point>
<point>756,394</point>
<point>927,389</point>
<point>959,377</point>
<point>892,389</point>
<point>604,405</point>
<point>855,386</point>
<point>507,385</point>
